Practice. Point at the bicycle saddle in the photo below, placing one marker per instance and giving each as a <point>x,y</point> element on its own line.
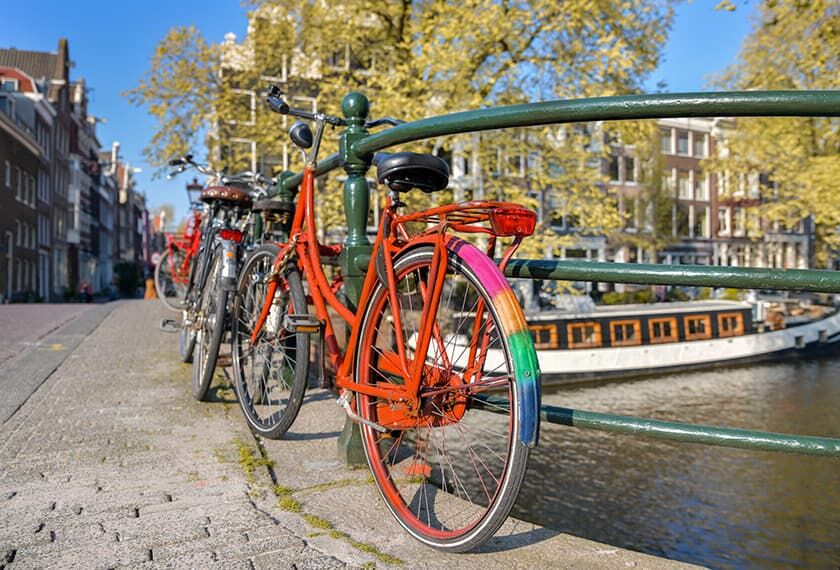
<point>272,205</point>
<point>225,194</point>
<point>402,171</point>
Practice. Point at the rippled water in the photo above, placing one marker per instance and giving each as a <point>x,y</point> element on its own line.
<point>723,508</point>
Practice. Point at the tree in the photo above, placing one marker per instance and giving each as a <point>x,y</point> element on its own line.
<point>415,59</point>
<point>794,44</point>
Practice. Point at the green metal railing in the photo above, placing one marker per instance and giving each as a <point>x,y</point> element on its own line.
<point>358,146</point>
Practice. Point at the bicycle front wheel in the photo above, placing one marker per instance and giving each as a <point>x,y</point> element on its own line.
<point>170,286</point>
<point>211,320</point>
<point>270,374</point>
<point>449,473</point>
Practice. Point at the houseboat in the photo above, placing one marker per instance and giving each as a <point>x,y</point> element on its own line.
<point>632,340</point>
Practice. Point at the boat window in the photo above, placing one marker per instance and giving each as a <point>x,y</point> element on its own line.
<point>545,336</point>
<point>730,324</point>
<point>663,330</point>
<point>625,333</point>
<point>698,327</point>
<point>584,335</point>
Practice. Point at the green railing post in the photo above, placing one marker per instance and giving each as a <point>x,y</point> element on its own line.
<point>285,192</point>
<point>355,107</point>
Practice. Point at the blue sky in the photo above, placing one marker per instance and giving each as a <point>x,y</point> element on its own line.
<point>111,42</point>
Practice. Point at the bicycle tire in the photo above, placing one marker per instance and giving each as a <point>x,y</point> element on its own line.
<point>271,380</point>
<point>186,340</point>
<point>426,468</point>
<point>210,332</point>
<point>169,293</point>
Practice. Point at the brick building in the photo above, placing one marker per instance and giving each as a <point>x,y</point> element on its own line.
<point>59,200</point>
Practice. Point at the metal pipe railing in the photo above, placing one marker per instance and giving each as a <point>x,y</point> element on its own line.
<point>692,275</point>
<point>656,106</point>
<point>676,431</point>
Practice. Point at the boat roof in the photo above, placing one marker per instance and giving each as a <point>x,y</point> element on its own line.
<point>638,310</point>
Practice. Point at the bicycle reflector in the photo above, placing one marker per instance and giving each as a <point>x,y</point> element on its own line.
<point>232,235</point>
<point>513,221</point>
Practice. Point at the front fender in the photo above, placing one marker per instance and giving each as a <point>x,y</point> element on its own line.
<point>524,356</point>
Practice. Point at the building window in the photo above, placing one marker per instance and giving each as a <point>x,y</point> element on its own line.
<point>698,327</point>
<point>682,142</point>
<point>584,335</point>
<point>739,221</point>
<point>8,174</point>
<point>662,330</point>
<point>701,188</point>
<point>545,336</point>
<point>8,84</point>
<point>684,184</point>
<point>701,222</point>
<point>630,213</point>
<point>724,228</point>
<point>665,141</point>
<point>625,333</point>
<point>613,169</point>
<point>699,144</point>
<point>682,220</point>
<point>629,169</point>
<point>19,182</point>
<point>730,324</point>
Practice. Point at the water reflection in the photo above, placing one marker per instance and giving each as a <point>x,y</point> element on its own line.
<point>718,507</point>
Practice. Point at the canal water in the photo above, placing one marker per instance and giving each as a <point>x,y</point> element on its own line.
<point>722,508</point>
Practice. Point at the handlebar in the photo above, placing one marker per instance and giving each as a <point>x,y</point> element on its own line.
<point>253,179</point>
<point>276,103</point>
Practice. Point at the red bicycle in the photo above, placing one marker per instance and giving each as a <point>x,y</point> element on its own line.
<point>437,328</point>
<point>172,272</point>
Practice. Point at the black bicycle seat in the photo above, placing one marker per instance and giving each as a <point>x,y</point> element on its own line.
<point>402,171</point>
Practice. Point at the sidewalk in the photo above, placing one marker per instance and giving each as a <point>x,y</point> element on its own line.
<point>112,463</point>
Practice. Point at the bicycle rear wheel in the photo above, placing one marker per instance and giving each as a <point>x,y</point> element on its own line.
<point>171,288</point>
<point>447,472</point>
<point>211,318</point>
<point>271,374</point>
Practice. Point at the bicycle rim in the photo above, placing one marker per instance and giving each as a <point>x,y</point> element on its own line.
<point>270,375</point>
<point>450,474</point>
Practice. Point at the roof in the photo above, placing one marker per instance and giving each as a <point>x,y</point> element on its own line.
<point>38,64</point>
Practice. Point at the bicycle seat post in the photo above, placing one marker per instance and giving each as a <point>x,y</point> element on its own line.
<point>355,108</point>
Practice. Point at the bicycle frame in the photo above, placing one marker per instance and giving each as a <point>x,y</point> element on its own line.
<point>392,238</point>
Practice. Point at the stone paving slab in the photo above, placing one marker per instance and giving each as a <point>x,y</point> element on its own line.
<point>111,463</point>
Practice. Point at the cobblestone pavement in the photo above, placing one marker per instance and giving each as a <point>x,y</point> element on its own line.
<point>111,463</point>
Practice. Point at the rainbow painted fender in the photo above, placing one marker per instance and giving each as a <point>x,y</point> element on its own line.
<point>525,365</point>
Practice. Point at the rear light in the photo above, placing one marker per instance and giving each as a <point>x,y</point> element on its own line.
<point>232,235</point>
<point>513,221</point>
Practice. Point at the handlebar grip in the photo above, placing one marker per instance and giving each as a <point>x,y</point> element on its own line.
<point>278,105</point>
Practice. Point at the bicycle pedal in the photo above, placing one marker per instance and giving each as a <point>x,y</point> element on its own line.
<point>224,360</point>
<point>170,325</point>
<point>306,324</point>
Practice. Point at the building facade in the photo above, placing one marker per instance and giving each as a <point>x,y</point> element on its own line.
<point>60,198</point>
